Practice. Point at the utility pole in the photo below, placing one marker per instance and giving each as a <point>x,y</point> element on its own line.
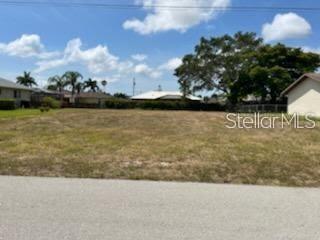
<point>133,86</point>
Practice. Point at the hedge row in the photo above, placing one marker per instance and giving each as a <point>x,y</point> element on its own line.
<point>7,104</point>
<point>162,105</point>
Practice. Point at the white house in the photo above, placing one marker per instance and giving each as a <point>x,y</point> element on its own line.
<point>163,95</point>
<point>11,90</point>
<point>304,95</point>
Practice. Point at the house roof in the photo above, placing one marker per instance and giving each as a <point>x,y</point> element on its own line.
<point>314,76</point>
<point>9,84</point>
<point>46,91</point>
<point>154,95</point>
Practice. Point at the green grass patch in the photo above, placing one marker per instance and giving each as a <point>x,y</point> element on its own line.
<point>19,113</point>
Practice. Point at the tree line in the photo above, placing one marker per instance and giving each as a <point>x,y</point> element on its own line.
<point>70,79</point>
<point>243,65</point>
<point>58,83</point>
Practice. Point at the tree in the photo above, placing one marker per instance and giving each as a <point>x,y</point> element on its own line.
<point>91,84</point>
<point>276,67</point>
<point>71,78</point>
<point>57,83</point>
<point>121,95</point>
<point>219,64</point>
<point>240,65</point>
<point>104,83</point>
<point>187,74</point>
<point>79,87</point>
<point>26,80</point>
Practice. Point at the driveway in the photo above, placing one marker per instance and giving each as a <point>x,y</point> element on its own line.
<point>78,209</point>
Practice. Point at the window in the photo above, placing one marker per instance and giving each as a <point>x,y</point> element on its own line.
<point>17,94</point>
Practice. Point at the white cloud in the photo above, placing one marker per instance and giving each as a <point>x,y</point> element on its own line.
<point>171,64</point>
<point>27,46</point>
<point>139,57</point>
<point>97,59</point>
<point>160,19</point>
<point>310,49</point>
<point>144,69</point>
<point>125,67</point>
<point>286,26</point>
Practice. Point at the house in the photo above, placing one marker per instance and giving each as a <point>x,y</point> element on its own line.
<point>86,99</point>
<point>304,95</point>
<point>217,99</point>
<point>91,97</point>
<point>11,90</point>
<point>164,95</point>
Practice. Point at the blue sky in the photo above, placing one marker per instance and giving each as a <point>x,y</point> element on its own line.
<point>101,43</point>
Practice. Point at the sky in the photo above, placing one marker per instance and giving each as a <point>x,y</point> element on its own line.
<point>145,43</point>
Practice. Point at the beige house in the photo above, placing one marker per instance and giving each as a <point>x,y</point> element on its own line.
<point>304,95</point>
<point>91,97</point>
<point>88,99</point>
<point>11,90</point>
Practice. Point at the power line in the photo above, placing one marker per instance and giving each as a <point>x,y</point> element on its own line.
<point>159,7</point>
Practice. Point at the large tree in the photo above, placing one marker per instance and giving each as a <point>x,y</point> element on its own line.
<point>91,84</point>
<point>79,87</point>
<point>71,78</point>
<point>57,83</point>
<point>240,65</point>
<point>26,80</point>
<point>276,67</point>
<point>219,64</point>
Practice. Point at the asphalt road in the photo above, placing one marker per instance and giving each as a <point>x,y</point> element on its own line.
<point>63,209</point>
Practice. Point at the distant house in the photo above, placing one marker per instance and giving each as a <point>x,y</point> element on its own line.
<point>163,95</point>
<point>86,99</point>
<point>91,97</point>
<point>304,95</point>
<point>222,100</point>
<point>11,90</point>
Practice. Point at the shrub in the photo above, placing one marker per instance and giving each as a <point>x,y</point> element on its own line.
<point>120,104</point>
<point>44,109</point>
<point>51,103</point>
<point>162,105</point>
<point>7,104</point>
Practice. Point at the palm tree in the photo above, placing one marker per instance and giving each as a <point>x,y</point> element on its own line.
<point>71,78</point>
<point>92,84</point>
<point>57,83</point>
<point>79,87</point>
<point>104,83</point>
<point>26,80</point>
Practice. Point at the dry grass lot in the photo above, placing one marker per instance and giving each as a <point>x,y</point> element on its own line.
<point>156,145</point>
